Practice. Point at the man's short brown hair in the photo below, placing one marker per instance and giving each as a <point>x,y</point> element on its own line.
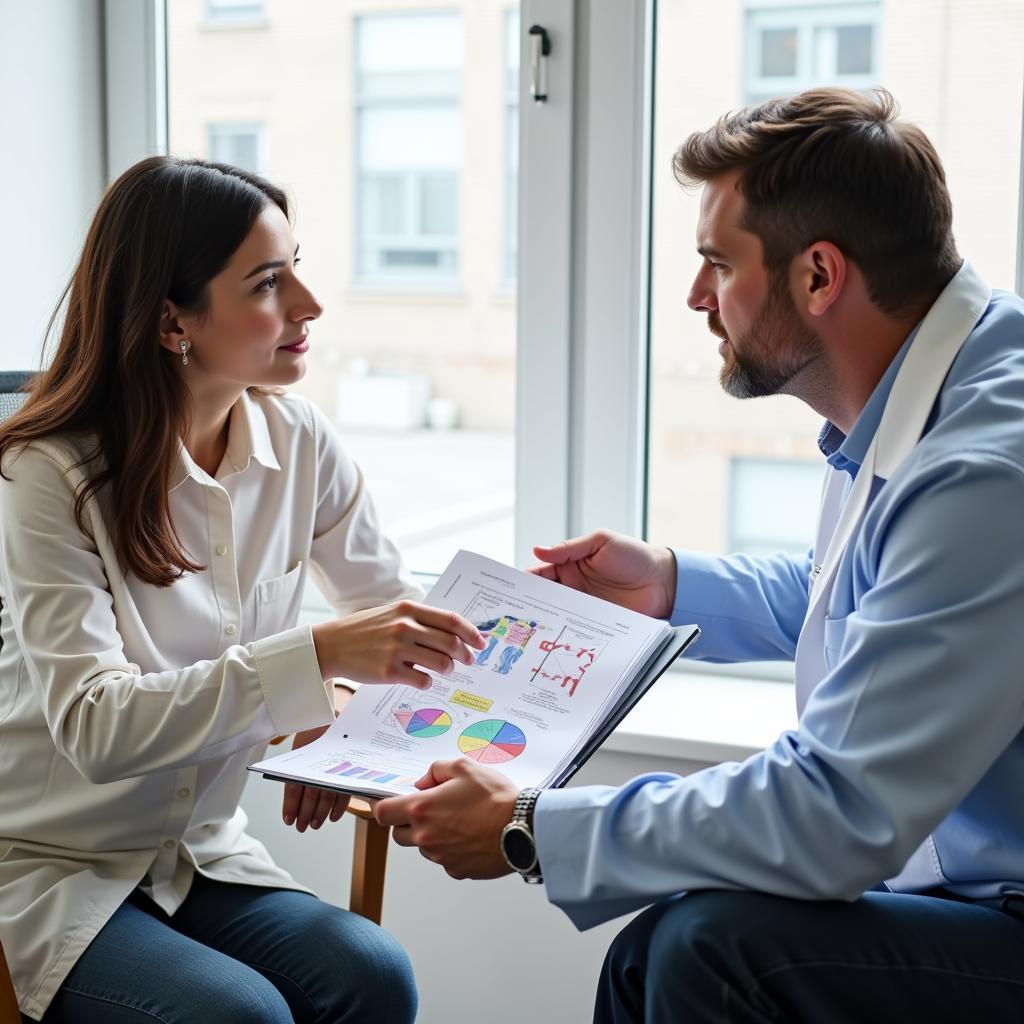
<point>837,165</point>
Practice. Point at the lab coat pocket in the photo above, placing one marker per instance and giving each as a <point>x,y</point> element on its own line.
<point>835,634</point>
<point>278,602</point>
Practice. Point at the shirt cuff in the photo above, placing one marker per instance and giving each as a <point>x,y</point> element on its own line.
<point>289,674</point>
<point>695,574</point>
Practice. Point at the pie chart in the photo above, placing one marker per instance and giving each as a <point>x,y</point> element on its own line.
<point>492,741</point>
<point>424,723</point>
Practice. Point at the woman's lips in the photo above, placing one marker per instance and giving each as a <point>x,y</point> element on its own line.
<point>300,346</point>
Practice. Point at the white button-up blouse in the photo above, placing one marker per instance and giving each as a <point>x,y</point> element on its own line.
<point>128,712</point>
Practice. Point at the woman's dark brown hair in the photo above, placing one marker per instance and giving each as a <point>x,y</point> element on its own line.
<point>839,166</point>
<point>163,230</point>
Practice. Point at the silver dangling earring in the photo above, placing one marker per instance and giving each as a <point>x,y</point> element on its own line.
<point>184,351</point>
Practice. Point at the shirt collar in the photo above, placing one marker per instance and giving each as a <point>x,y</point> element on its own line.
<point>846,452</point>
<point>248,439</point>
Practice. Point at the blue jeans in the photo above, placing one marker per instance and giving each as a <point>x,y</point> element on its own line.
<point>747,958</point>
<point>238,953</point>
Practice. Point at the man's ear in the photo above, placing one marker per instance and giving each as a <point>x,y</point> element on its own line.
<point>820,274</point>
<point>171,330</point>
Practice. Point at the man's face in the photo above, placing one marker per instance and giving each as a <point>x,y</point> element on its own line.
<point>764,343</point>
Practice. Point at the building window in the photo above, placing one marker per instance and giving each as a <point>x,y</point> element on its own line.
<point>789,49</point>
<point>773,504</point>
<point>511,142</point>
<point>409,146</point>
<point>235,10</point>
<point>241,145</point>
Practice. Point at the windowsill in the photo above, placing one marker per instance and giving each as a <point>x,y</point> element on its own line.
<point>699,716</point>
<point>223,24</point>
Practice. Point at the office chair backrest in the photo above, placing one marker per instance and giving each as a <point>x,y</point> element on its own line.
<point>12,395</point>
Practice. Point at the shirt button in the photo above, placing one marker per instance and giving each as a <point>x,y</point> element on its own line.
<point>184,792</point>
<point>230,629</point>
<point>169,844</point>
<point>222,549</point>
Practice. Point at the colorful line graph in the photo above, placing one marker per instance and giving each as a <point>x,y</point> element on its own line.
<point>564,662</point>
<point>492,741</point>
<point>425,722</point>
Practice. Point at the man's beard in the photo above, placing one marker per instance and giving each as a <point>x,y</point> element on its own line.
<point>772,351</point>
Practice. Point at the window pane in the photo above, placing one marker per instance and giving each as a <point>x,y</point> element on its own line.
<point>854,46</point>
<point>778,52</point>
<point>709,452</point>
<point>438,204</point>
<point>236,144</point>
<point>786,521</point>
<point>385,208</point>
<point>366,122</point>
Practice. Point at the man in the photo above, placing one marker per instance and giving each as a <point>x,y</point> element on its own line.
<point>869,864</point>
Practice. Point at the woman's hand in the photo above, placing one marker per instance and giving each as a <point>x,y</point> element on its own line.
<point>306,805</point>
<point>615,567</point>
<point>381,645</point>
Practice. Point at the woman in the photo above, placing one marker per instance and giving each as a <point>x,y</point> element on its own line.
<point>161,502</point>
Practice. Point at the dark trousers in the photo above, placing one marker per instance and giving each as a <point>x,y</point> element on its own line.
<point>720,957</point>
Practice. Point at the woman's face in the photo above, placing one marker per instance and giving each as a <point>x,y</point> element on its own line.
<point>257,319</point>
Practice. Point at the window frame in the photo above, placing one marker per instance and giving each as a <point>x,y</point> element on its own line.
<point>583,294</point>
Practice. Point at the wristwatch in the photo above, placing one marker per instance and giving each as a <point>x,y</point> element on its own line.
<point>518,846</point>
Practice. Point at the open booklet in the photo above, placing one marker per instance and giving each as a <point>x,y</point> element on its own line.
<point>560,670</point>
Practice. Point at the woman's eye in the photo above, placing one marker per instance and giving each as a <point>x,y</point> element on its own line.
<point>267,284</point>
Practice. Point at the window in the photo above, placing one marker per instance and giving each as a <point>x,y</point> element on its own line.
<point>792,48</point>
<point>368,136</point>
<point>511,141</point>
<point>709,454</point>
<point>224,11</point>
<point>772,505</point>
<point>242,145</point>
<point>409,146</point>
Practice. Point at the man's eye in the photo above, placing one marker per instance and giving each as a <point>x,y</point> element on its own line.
<point>267,284</point>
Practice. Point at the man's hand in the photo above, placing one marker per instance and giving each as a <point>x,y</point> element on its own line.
<point>618,568</point>
<point>456,820</point>
<point>306,805</point>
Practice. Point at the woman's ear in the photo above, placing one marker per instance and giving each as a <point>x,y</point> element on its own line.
<point>171,331</point>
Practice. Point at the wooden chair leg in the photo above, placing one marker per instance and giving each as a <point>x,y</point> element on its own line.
<point>9,1013</point>
<point>369,861</point>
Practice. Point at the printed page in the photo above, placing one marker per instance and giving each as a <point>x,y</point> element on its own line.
<point>555,661</point>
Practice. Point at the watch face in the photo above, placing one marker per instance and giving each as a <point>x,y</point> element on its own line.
<point>519,848</point>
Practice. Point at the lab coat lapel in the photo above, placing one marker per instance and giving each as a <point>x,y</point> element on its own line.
<point>918,383</point>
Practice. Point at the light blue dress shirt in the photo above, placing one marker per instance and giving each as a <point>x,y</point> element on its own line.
<point>915,730</point>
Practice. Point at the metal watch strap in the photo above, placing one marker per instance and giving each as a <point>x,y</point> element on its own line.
<point>522,814</point>
<point>523,810</point>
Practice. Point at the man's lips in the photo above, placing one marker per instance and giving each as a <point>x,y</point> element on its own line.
<point>716,328</point>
